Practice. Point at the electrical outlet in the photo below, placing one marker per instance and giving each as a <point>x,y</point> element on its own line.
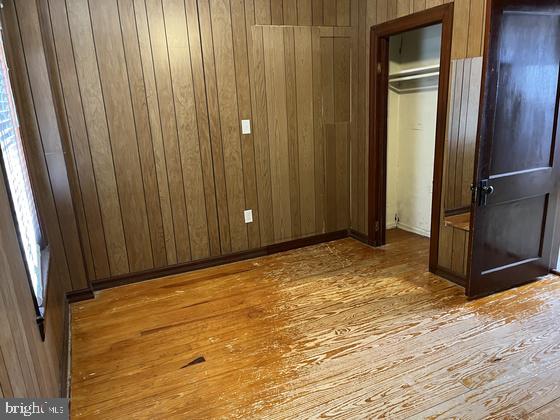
<point>248,216</point>
<point>245,126</point>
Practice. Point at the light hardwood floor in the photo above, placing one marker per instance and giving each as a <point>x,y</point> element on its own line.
<point>335,330</point>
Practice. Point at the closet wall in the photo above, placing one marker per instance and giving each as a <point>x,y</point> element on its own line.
<point>412,129</point>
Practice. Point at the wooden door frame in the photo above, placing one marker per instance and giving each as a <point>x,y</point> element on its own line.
<point>378,99</point>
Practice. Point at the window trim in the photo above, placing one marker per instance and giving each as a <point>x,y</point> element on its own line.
<point>45,254</point>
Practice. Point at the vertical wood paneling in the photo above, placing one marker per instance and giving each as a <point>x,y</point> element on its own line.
<point>187,127</point>
<point>433,3</point>
<point>262,12</point>
<point>277,12</point>
<point>215,125</point>
<point>28,366</point>
<point>403,8</point>
<point>329,12</point>
<point>343,12</point>
<point>305,12</point>
<point>155,129</point>
<point>142,122</point>
<point>318,131</point>
<point>342,49</point>
<point>463,124</point>
<point>290,12</point>
<point>304,100</point>
<point>317,9</point>
<point>96,123</point>
<point>476,28</point>
<point>262,156</point>
<point>193,70</point>
<point>471,128</point>
<point>160,55</point>
<point>227,99</point>
<point>273,38</point>
<point>51,142</point>
<point>122,131</point>
<point>203,126</point>
<point>292,124</point>
<point>308,95</point>
<point>461,14</point>
<point>240,48</point>
<point>419,5</point>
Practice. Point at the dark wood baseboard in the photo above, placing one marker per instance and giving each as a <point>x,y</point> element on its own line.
<point>64,389</point>
<point>556,272</point>
<point>219,260</point>
<point>452,277</point>
<point>359,236</point>
<point>79,295</point>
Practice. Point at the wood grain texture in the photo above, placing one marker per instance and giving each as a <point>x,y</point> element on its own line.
<point>28,367</point>
<point>163,90</point>
<point>206,62</point>
<point>307,85</point>
<point>463,114</point>
<point>96,123</point>
<point>334,330</point>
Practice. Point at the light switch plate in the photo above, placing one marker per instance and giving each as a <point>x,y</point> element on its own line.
<point>246,126</point>
<point>248,216</point>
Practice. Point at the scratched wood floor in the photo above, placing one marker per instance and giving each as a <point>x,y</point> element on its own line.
<point>334,330</point>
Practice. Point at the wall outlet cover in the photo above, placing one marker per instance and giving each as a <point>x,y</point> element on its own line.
<point>246,126</point>
<point>248,216</point>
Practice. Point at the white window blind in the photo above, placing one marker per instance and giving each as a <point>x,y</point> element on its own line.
<point>18,180</point>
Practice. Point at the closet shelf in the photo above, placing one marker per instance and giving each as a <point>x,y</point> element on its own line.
<point>415,73</point>
<point>416,79</point>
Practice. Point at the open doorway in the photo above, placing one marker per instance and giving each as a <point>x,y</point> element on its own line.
<point>410,63</point>
<point>411,128</point>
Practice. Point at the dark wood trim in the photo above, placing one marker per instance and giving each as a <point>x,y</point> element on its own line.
<point>454,212</point>
<point>214,261</point>
<point>65,356</point>
<point>79,295</point>
<point>555,272</point>
<point>452,277</point>
<point>379,69</point>
<point>359,236</point>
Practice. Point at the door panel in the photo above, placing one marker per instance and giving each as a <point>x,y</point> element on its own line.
<point>519,104</point>
<point>517,171</point>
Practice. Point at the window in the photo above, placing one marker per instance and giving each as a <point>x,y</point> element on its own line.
<point>19,186</point>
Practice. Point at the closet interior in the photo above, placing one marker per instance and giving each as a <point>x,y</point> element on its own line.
<point>414,61</point>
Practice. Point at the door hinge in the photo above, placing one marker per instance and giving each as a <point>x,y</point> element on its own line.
<point>377,226</point>
<point>378,68</point>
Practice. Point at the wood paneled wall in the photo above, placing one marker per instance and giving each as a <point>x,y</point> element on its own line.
<point>466,79</point>
<point>303,12</point>
<point>29,366</point>
<point>151,97</point>
<point>153,92</point>
<point>302,131</point>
